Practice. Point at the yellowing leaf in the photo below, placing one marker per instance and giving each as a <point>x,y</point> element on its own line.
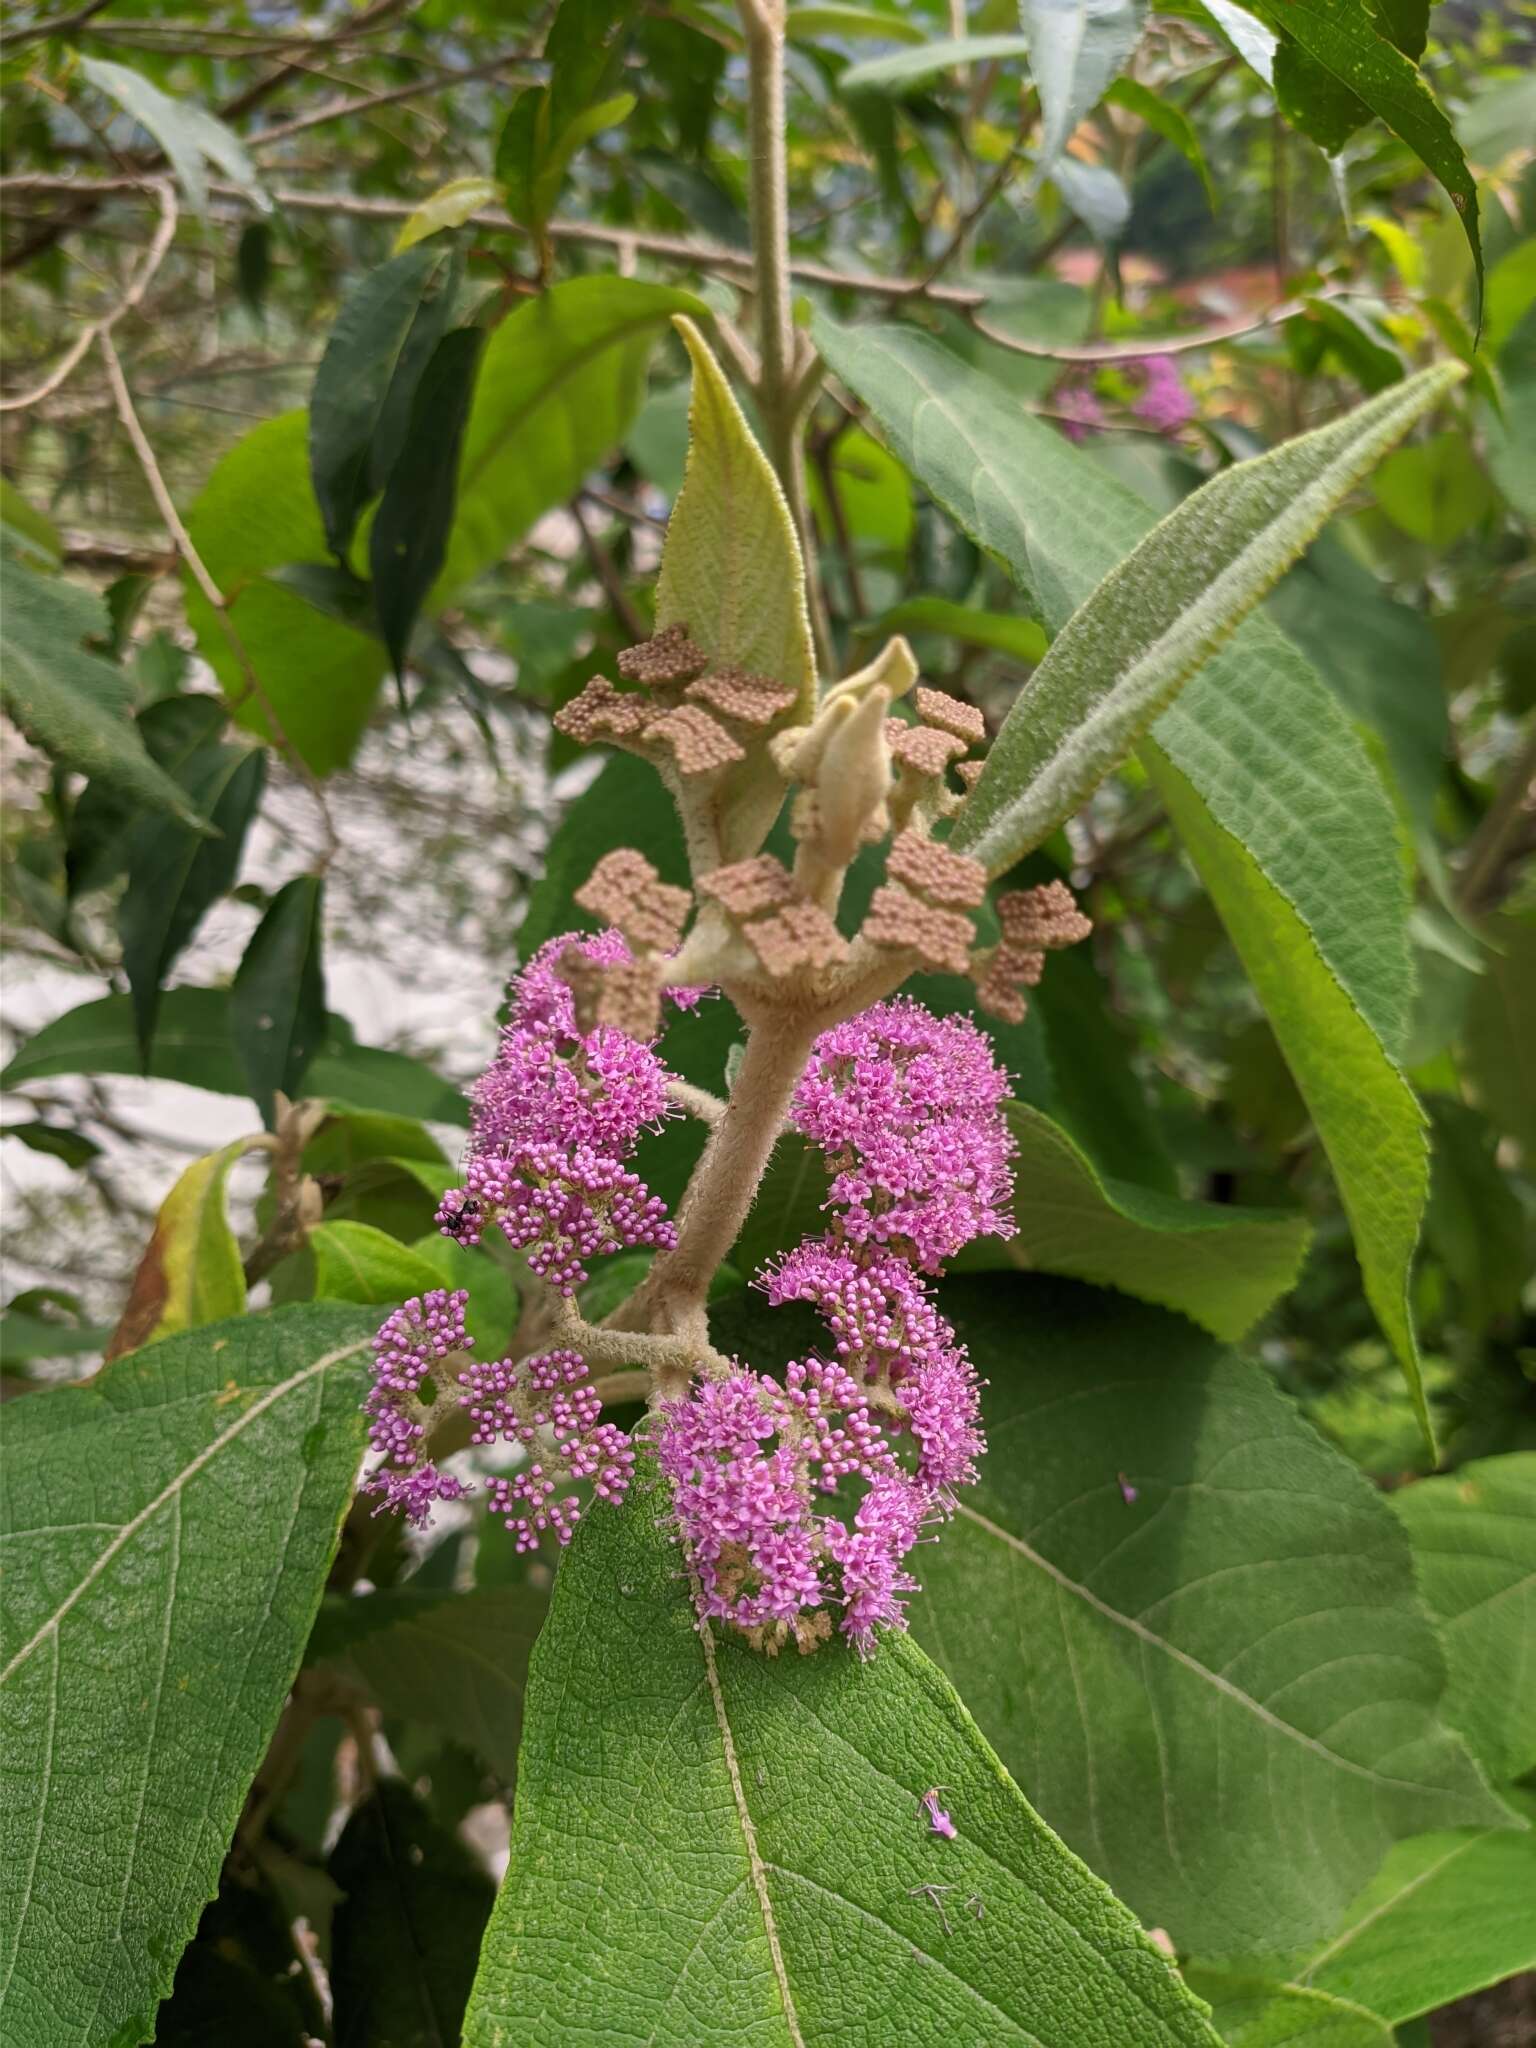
<point>449,207</point>
<point>190,1273</point>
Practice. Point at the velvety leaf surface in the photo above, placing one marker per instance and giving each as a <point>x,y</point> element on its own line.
<point>1473,1536</point>
<point>406,1933</point>
<point>731,572</point>
<point>1287,823</point>
<point>167,1531</point>
<point>711,1846</point>
<point>456,1662</point>
<point>1222,1266</point>
<point>1448,1914</point>
<point>1222,1692</point>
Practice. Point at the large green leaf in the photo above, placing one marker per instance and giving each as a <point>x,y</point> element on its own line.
<point>167,1532</point>
<point>193,1045</point>
<point>731,572</point>
<point>456,1662</point>
<point>355,1262</point>
<point>711,1846</point>
<point>1221,1266</point>
<point>72,704</point>
<point>257,514</point>
<point>1188,1625</point>
<point>1499,1055</point>
<point>559,384</point>
<point>1340,39</point>
<point>1473,1537</point>
<point>277,1015</point>
<point>1161,613</point>
<point>1277,802</point>
<point>1076,47</point>
<point>1448,1914</point>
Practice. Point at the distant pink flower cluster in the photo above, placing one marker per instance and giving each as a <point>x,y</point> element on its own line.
<point>553,1120</point>
<point>1162,400</point>
<point>906,1107</point>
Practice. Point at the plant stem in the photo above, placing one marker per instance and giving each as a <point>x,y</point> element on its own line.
<point>1503,823</point>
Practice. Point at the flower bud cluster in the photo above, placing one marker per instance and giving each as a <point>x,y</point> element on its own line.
<point>553,1120</point>
<point>906,1107</point>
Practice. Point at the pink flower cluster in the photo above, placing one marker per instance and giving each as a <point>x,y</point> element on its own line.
<point>1162,400</point>
<point>907,1108</point>
<point>553,1120</point>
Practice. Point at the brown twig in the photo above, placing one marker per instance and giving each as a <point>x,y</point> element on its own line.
<point>344,106</point>
<point>166,506</point>
<point>1513,809</point>
<point>609,577</point>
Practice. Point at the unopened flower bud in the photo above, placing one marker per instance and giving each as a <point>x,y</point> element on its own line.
<point>853,780</point>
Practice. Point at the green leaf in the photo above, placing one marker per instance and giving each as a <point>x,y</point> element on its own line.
<point>277,1000</point>
<point>455,1662</point>
<point>1075,49</point>
<point>581,128</point>
<point>24,1337</point>
<point>369,370</point>
<point>449,207</point>
<point>1004,632</point>
<point>408,540</point>
<point>156,1621</point>
<point>1473,1537</point>
<point>1221,1266</point>
<point>731,571</point>
<point>193,1046</point>
<point>1222,1692</point>
<point>355,1262</point>
<point>190,1273</point>
<point>1476,1224</point>
<point>255,514</point>
<point>1249,2013</point>
<point>175,875</point>
<point>1405,23</point>
<point>26,531</point>
<point>1340,38</point>
<point>560,382</point>
<point>906,68</point>
<point>1278,806</point>
<point>190,136</point>
<point>72,704</point>
<point>54,1141</point>
<point>1449,1914</point>
<point>752,1847</point>
<point>1435,490</point>
<point>406,1935</point>
<point>1500,1050</point>
<point>1162,612</point>
<point>1166,120</point>
<point>849,23</point>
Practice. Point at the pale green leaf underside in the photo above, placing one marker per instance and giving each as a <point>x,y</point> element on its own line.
<point>1220,1265</point>
<point>713,1847</point>
<point>167,1530</point>
<point>1162,612</point>
<point>1447,1915</point>
<point>1223,1693</point>
<point>1473,1537</point>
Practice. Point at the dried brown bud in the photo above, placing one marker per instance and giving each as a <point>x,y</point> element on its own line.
<point>931,870</point>
<point>698,743</point>
<point>800,935</point>
<point>922,748</point>
<point>625,890</point>
<point>749,886</point>
<point>969,772</point>
<point>1042,919</point>
<point>942,939</point>
<point>951,714</point>
<point>601,712</point>
<point>997,992</point>
<point>669,656</point>
<point>738,693</point>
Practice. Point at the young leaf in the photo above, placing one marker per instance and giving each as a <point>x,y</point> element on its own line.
<point>754,1860</point>
<point>1075,49</point>
<point>407,1932</point>
<point>1277,802</point>
<point>1157,617</point>
<point>189,135</point>
<point>1473,1537</point>
<point>1180,1603</point>
<point>1447,1915</point>
<point>1166,120</point>
<point>255,514</point>
<point>1341,39</point>
<point>72,704</point>
<point>731,571</point>
<point>550,176</point>
<point>354,1262</point>
<point>154,1623</point>
<point>190,1273</point>
<point>361,366</point>
<point>449,207</point>
<point>175,875</point>
<point>456,1662</point>
<point>408,540</point>
<point>1221,1266</point>
<point>277,1000</point>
